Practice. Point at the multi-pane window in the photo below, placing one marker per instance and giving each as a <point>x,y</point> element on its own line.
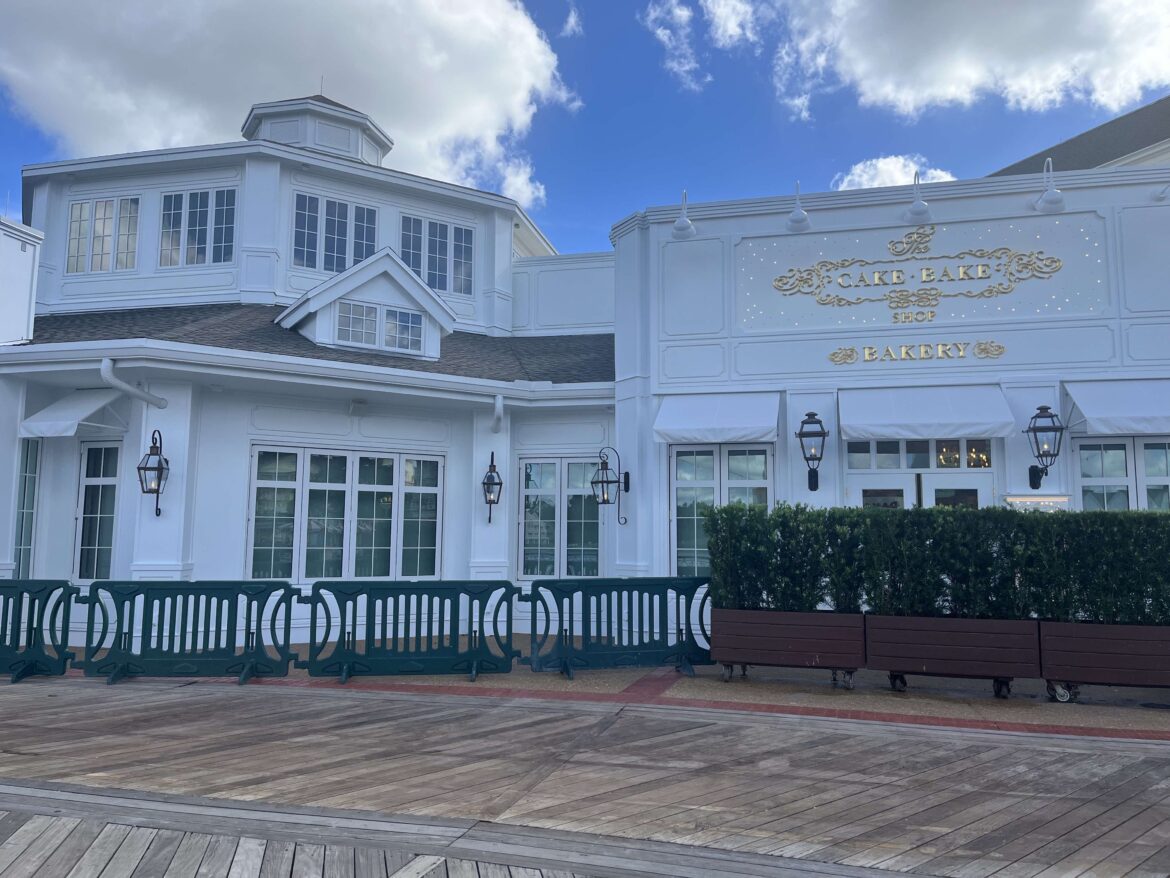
<point>443,257</point>
<point>197,228</point>
<point>918,454</point>
<point>560,531</point>
<point>99,485</point>
<point>26,506</point>
<point>461,260</point>
<point>336,235</point>
<point>103,235</point>
<point>403,329</point>
<point>706,476</point>
<point>324,514</point>
<point>357,323</point>
<point>1124,473</point>
<point>349,234</point>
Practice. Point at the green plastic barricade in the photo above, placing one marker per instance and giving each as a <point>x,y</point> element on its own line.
<point>440,627</point>
<point>34,626</point>
<point>188,629</point>
<point>613,623</point>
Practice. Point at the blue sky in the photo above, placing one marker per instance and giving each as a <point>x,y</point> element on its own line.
<point>647,98</point>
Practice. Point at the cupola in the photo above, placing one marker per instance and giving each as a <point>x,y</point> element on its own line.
<point>319,123</point>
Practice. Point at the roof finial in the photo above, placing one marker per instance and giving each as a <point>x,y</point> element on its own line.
<point>321,91</point>
<point>798,219</point>
<point>683,227</point>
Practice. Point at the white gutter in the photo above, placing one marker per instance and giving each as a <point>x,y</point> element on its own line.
<point>108,376</point>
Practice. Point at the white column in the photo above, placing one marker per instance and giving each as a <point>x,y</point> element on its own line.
<point>490,541</point>
<point>259,208</point>
<point>11,411</point>
<point>162,544</point>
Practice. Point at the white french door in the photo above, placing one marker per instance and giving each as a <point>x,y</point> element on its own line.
<point>908,490</point>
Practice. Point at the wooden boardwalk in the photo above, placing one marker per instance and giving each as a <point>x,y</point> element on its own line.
<point>756,792</point>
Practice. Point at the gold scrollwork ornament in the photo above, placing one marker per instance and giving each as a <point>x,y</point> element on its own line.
<point>989,350</point>
<point>843,356</point>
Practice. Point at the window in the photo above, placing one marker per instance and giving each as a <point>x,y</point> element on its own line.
<point>197,228</point>
<point>339,244</point>
<point>403,330</point>
<point>357,323</point>
<point>103,235</point>
<point>99,485</point>
<point>918,454</point>
<point>446,262</point>
<point>706,476</point>
<point>26,506</point>
<point>325,514</point>
<point>1124,473</point>
<point>560,531</point>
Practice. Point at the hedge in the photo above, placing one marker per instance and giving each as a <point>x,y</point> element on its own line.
<point>1111,567</point>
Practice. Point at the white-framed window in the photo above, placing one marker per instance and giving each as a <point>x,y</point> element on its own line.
<point>97,498</point>
<point>349,235</point>
<point>704,476</point>
<point>560,528</point>
<point>26,506</point>
<point>357,323</point>
<point>1120,473</point>
<point>329,514</point>
<point>918,454</point>
<point>404,330</point>
<point>103,235</point>
<point>375,326</point>
<point>197,228</point>
<point>443,258</point>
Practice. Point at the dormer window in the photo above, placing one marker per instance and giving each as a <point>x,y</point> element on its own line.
<point>359,324</point>
<point>350,233</point>
<point>198,228</point>
<point>103,235</point>
<point>443,257</point>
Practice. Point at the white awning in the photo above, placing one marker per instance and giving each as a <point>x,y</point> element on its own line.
<point>718,417</point>
<point>1120,407</point>
<point>78,409</point>
<point>972,411</point>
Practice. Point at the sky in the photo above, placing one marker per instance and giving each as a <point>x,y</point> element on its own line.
<point>587,110</point>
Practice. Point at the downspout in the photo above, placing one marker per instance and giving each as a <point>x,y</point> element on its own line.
<point>117,383</point>
<point>498,413</point>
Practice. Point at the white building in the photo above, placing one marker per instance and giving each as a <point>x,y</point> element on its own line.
<point>333,352</point>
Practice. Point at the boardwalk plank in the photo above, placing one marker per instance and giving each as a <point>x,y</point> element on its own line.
<point>248,859</point>
<point>188,856</point>
<point>94,860</point>
<point>217,860</point>
<point>29,863</point>
<point>309,861</point>
<point>339,861</point>
<point>130,853</point>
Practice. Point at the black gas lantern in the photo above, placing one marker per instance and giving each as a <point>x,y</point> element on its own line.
<point>609,484</point>
<point>812,436</point>
<point>153,470</point>
<point>1044,432</point>
<point>493,485</point>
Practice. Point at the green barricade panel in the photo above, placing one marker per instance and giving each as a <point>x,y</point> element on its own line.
<point>189,629</point>
<point>440,627</point>
<point>34,626</point>
<point>613,623</point>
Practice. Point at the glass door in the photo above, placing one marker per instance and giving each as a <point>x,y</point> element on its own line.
<point>908,490</point>
<point>881,491</point>
<point>962,490</point>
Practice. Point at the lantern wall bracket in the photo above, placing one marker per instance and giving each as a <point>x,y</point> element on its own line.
<point>609,484</point>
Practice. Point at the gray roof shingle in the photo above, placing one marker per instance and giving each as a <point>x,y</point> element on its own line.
<point>559,359</point>
<point>1111,140</point>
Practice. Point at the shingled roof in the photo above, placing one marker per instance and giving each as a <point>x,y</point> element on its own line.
<point>1098,146</point>
<point>560,359</point>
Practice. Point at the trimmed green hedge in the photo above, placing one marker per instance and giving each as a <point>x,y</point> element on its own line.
<point>987,563</point>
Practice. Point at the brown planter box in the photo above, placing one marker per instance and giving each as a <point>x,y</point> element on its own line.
<point>941,647</point>
<point>834,641</point>
<point>1108,655</point>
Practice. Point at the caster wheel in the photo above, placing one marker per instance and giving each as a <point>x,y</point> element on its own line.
<point>1059,693</point>
<point>1002,688</point>
<point>728,672</point>
<point>848,680</point>
<point>898,682</point>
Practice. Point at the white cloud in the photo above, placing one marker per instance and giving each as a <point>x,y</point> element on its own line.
<point>730,22</point>
<point>889,170</point>
<point>1033,55</point>
<point>520,185</point>
<point>159,75</point>
<point>670,23</point>
<point>573,26</point>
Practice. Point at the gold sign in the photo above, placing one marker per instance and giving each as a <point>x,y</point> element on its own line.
<point>913,283</point>
<point>920,353</point>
